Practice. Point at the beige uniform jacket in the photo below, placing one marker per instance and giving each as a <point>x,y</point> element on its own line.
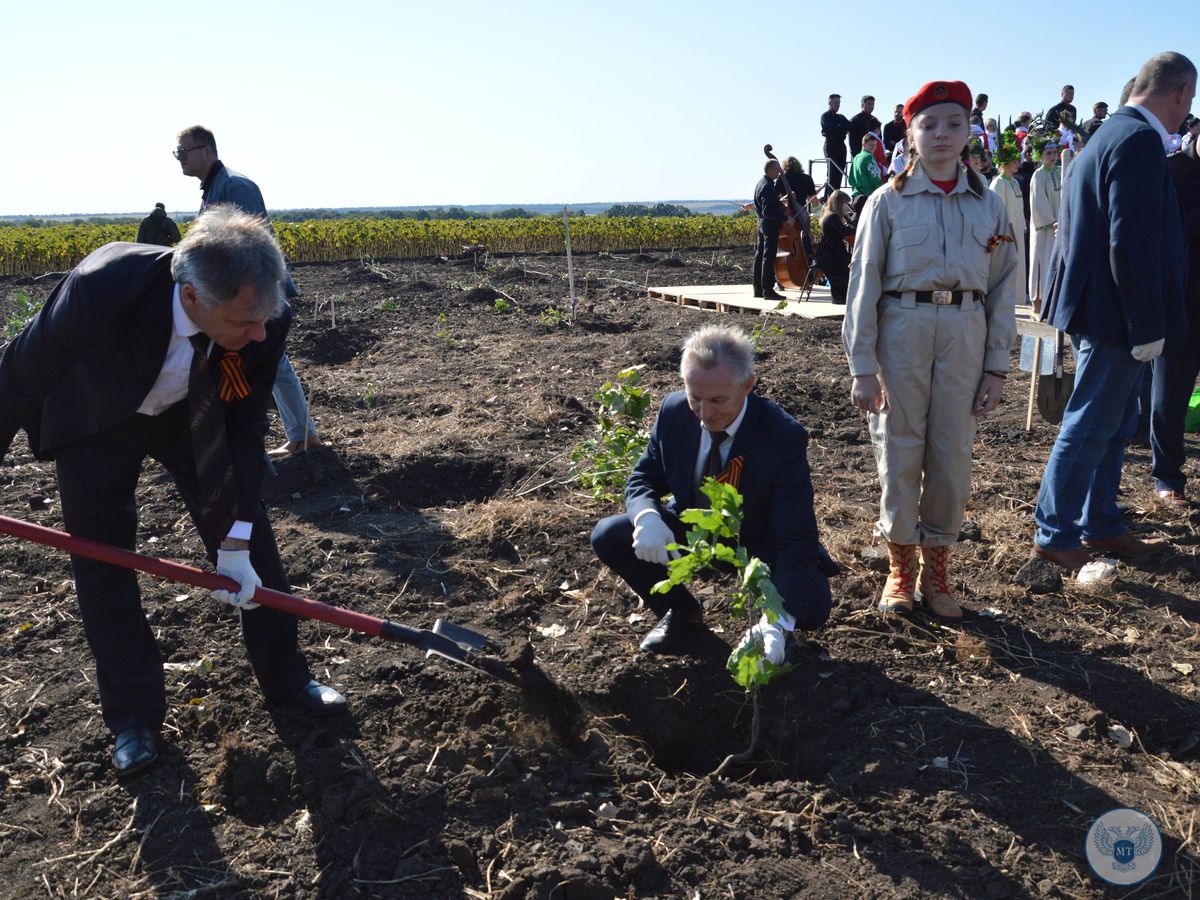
<point>921,239</point>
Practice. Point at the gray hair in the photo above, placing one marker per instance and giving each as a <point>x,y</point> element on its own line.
<point>1163,74</point>
<point>226,250</point>
<point>712,345</point>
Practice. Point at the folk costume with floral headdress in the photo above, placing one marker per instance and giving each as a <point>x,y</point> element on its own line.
<point>1007,188</point>
<point>1045,189</point>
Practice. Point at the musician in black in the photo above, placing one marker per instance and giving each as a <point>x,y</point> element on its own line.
<point>771,215</point>
<point>805,191</point>
<point>835,127</point>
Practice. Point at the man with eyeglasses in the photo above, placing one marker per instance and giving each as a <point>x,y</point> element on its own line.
<point>197,155</point>
<point>166,353</point>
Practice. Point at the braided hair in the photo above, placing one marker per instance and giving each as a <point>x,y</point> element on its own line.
<point>974,181</point>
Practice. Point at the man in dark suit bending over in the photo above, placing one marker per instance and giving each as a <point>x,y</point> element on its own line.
<point>140,352</point>
<point>717,426</point>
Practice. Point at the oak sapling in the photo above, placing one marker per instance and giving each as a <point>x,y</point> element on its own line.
<point>603,462</point>
<point>714,538</point>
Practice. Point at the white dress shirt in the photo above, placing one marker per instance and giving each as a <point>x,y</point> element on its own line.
<point>171,386</point>
<point>1155,124</point>
<point>706,445</point>
<point>702,456</point>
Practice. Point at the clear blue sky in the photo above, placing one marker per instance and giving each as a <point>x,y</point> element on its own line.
<point>362,103</point>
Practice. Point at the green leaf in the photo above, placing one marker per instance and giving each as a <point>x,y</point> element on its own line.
<point>727,554</point>
<point>750,669</point>
<point>708,519</point>
<point>771,602</point>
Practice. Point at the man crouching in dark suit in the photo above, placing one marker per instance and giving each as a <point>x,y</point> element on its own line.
<point>718,427</point>
<point>140,352</point>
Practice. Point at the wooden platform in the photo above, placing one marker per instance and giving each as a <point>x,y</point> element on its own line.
<point>739,298</point>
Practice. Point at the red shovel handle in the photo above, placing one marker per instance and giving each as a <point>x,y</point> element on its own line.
<point>160,568</point>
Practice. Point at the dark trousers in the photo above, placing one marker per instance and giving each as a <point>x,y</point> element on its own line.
<point>97,478</point>
<point>765,251</point>
<point>1173,382</point>
<point>839,281</point>
<point>837,165</point>
<point>612,539</point>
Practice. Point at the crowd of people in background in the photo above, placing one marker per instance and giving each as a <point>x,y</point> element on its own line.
<point>953,222</point>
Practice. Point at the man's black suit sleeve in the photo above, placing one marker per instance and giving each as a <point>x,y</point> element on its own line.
<point>78,317</point>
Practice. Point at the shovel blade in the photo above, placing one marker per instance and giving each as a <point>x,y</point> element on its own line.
<point>1053,392</point>
<point>464,637</point>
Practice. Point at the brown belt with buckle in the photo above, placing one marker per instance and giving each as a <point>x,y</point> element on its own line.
<point>937,298</point>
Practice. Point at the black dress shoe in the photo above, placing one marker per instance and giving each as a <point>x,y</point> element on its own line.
<point>670,629</point>
<point>134,750</point>
<point>318,700</point>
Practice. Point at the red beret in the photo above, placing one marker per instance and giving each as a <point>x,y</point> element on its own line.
<point>937,92</point>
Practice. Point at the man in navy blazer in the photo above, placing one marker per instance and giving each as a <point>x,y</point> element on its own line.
<point>1118,291</point>
<point>717,426</point>
<point>109,373</point>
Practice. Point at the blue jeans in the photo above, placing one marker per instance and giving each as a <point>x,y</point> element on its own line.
<point>290,401</point>
<point>1078,497</point>
<point>1174,381</point>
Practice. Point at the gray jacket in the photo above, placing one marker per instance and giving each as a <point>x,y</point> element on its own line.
<point>228,186</point>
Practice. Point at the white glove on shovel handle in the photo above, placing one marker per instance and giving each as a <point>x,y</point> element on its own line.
<point>236,565</point>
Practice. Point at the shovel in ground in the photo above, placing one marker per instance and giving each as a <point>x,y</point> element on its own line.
<point>452,642</point>
<point>1054,390</point>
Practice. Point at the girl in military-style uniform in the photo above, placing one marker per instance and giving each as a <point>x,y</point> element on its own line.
<point>928,331</point>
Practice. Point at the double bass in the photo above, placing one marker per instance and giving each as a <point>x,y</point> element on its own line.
<point>791,262</point>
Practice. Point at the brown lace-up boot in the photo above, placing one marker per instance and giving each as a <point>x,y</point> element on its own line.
<point>933,585</point>
<point>901,582</point>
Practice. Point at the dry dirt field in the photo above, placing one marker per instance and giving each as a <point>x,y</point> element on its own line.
<point>897,759</point>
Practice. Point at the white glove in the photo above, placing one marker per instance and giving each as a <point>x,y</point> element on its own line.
<point>236,565</point>
<point>773,637</point>
<point>650,538</point>
<point>1147,352</point>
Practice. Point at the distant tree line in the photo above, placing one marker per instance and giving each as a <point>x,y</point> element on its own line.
<point>423,214</point>
<point>35,222</point>
<point>624,210</point>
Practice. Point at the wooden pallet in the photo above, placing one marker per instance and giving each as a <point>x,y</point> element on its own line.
<point>739,298</point>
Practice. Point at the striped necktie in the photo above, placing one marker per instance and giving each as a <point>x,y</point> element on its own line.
<point>214,473</point>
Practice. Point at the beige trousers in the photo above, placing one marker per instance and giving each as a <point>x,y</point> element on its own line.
<point>930,365</point>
